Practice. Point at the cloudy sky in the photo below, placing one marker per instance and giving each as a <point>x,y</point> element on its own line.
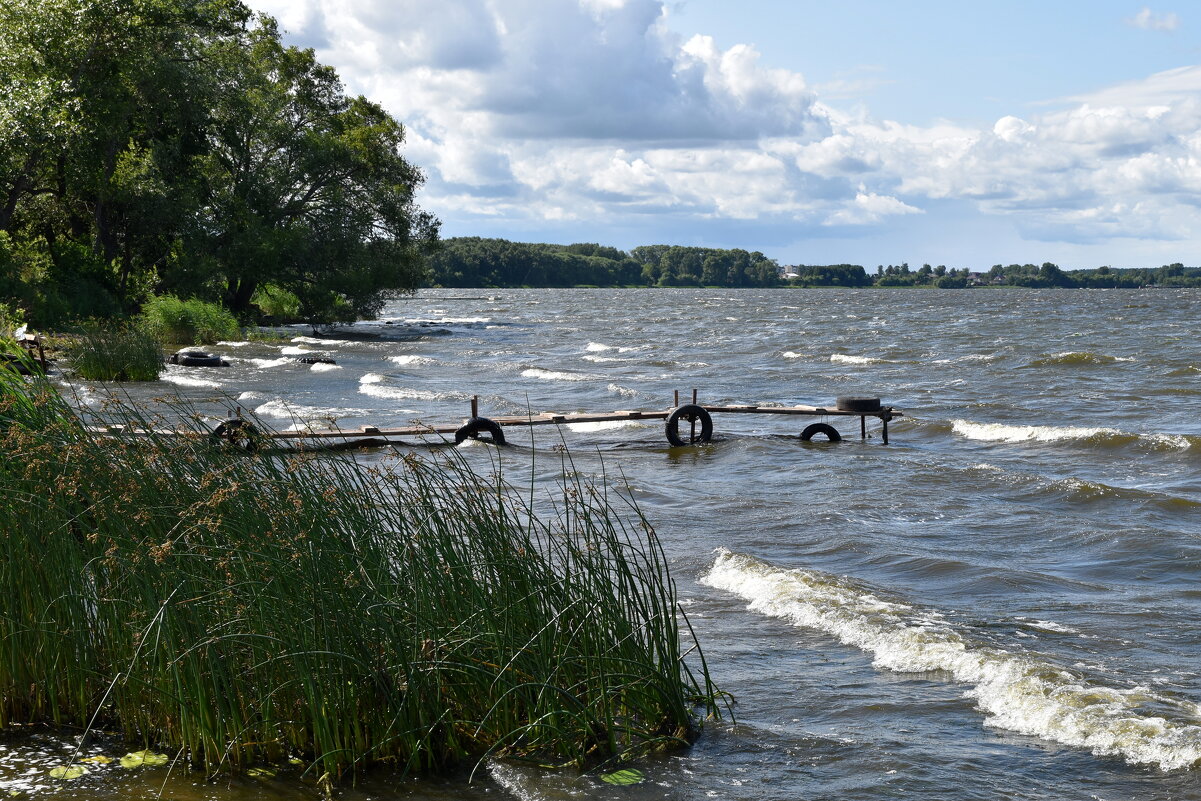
<point>864,131</point>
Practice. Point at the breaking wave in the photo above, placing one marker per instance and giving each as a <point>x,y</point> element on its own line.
<point>410,360</point>
<point>842,358</point>
<point>554,375</point>
<point>1020,691</point>
<point>1076,357</point>
<point>1001,432</point>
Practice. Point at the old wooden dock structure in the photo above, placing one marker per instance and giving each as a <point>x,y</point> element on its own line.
<point>684,423</point>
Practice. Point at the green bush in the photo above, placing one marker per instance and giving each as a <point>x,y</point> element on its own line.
<point>278,303</point>
<point>189,322</point>
<point>107,352</point>
<point>240,608</point>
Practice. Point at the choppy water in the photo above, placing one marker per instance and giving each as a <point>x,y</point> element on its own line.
<point>1003,603</point>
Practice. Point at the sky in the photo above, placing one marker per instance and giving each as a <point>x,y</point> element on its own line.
<point>862,131</point>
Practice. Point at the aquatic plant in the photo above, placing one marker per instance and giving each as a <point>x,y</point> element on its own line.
<point>113,352</point>
<point>255,608</point>
<point>188,322</point>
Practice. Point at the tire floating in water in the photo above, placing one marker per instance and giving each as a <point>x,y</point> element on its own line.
<point>237,433</point>
<point>858,404</point>
<point>197,358</point>
<point>480,425</point>
<point>692,413</point>
<point>821,428</point>
<point>316,360</point>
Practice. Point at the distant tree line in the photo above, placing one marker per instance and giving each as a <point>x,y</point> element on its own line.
<point>476,262</point>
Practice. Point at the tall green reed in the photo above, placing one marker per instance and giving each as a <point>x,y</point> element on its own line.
<point>108,352</point>
<point>254,608</point>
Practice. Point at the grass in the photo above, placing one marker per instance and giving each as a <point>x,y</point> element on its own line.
<point>188,322</point>
<point>251,609</point>
<point>107,352</point>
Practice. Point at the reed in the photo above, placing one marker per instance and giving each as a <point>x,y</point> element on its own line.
<point>188,322</point>
<point>248,609</point>
<point>106,352</point>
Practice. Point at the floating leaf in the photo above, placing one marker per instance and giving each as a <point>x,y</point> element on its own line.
<point>67,772</point>
<point>626,776</point>
<point>99,759</point>
<point>295,761</point>
<point>139,758</point>
<point>261,773</point>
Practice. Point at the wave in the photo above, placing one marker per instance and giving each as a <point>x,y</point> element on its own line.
<point>323,342</point>
<point>554,375</point>
<point>282,410</point>
<point>294,350</point>
<point>605,425</point>
<point>322,367</point>
<point>842,358</point>
<point>376,390</point>
<point>625,392</point>
<point>410,360</point>
<point>605,359</point>
<point>227,344</point>
<point>371,378</point>
<point>1001,432</point>
<point>1182,371</point>
<point>597,347</point>
<point>1075,358</point>
<point>792,354</point>
<point>187,381</point>
<point>263,364</point>
<point>1020,691</point>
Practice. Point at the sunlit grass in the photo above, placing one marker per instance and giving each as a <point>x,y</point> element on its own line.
<point>253,609</point>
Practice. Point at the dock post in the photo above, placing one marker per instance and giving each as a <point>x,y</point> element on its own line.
<point>885,420</point>
<point>692,423</point>
<point>677,399</point>
<point>475,406</point>
<point>863,426</point>
<point>694,396</point>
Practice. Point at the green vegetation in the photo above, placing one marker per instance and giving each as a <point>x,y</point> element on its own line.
<point>188,322</point>
<point>277,303</point>
<point>107,352</point>
<point>174,147</point>
<point>283,605</point>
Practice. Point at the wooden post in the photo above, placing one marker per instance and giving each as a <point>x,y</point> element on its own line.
<point>694,396</point>
<point>692,423</point>
<point>677,400</point>
<point>475,406</point>
<point>885,420</point>
<point>863,426</point>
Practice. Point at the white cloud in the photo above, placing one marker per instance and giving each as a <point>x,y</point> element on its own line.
<point>528,111</point>
<point>1150,21</point>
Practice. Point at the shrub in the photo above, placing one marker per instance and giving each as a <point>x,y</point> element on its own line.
<point>189,322</point>
<point>278,303</point>
<point>108,352</point>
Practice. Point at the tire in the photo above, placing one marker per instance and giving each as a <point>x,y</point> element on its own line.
<point>480,425</point>
<point>197,359</point>
<point>237,433</point>
<point>858,404</point>
<point>692,413</point>
<point>316,360</point>
<point>821,428</point>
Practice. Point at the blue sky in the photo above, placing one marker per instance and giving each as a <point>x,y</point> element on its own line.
<point>870,132</point>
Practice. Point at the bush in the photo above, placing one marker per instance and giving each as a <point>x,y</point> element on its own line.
<point>105,352</point>
<point>241,608</point>
<point>189,322</point>
<point>278,303</point>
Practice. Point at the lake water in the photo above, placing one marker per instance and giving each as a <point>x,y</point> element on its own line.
<point>1003,603</point>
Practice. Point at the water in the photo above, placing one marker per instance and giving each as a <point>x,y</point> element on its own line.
<point>1002,603</point>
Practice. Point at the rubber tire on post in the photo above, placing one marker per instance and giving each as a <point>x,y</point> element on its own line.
<point>821,428</point>
<point>689,412</point>
<point>858,404</point>
<point>238,433</point>
<point>480,425</point>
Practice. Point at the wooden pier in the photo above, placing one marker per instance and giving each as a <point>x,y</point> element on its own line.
<point>684,424</point>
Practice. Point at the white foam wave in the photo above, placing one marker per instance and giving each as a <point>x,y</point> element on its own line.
<point>1019,691</point>
<point>625,392</point>
<point>187,381</point>
<point>410,359</point>
<point>233,344</point>
<point>371,378</point>
<point>294,350</point>
<point>247,396</point>
<point>449,320</point>
<point>603,359</point>
<point>596,347</point>
<point>842,358</point>
<point>792,354</point>
<point>605,425</point>
<point>406,393</point>
<point>263,364</point>
<point>321,367</point>
<point>554,375</point>
<point>282,410</point>
<point>1000,432</point>
<point>315,341</point>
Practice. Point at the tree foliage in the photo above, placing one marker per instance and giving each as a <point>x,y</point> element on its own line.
<point>178,145</point>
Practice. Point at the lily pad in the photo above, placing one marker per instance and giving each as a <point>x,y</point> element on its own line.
<point>139,758</point>
<point>623,777</point>
<point>99,759</point>
<point>67,772</point>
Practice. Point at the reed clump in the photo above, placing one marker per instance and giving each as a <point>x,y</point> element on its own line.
<point>108,352</point>
<point>255,608</point>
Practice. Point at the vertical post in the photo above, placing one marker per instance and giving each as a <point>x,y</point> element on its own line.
<point>677,400</point>
<point>475,406</point>
<point>863,426</point>
<point>885,420</point>
<point>694,396</point>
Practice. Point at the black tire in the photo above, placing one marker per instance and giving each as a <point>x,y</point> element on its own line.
<point>821,428</point>
<point>237,433</point>
<point>317,360</point>
<point>197,359</point>
<point>858,404</point>
<point>480,425</point>
<point>692,413</point>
